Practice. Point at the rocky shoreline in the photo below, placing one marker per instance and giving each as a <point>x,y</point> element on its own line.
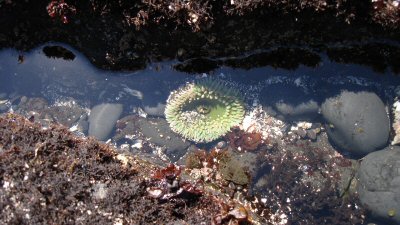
<point>49,175</point>
<point>309,160</point>
<point>127,36</point>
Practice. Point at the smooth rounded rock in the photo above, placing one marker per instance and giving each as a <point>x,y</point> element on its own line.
<point>157,110</point>
<point>155,94</point>
<point>102,119</point>
<point>379,183</point>
<point>289,102</point>
<point>356,122</point>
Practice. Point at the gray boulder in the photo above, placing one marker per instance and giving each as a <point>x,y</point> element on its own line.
<point>357,122</point>
<point>102,119</point>
<point>379,183</point>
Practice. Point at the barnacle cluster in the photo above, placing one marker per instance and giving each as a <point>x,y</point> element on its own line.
<point>204,110</point>
<point>166,184</point>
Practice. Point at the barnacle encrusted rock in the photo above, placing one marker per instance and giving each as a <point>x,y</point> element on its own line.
<point>204,110</point>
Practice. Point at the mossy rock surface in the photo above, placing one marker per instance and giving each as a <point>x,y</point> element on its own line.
<point>232,169</point>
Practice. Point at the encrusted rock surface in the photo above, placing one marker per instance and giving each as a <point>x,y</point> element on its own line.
<point>356,122</point>
<point>51,176</point>
<point>379,183</point>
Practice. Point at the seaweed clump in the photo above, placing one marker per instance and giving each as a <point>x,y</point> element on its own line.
<point>244,140</point>
<point>205,110</point>
<point>50,176</point>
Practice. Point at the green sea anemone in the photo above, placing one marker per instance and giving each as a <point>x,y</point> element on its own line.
<point>204,110</point>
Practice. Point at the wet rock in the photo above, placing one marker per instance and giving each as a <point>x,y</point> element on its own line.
<point>23,100</point>
<point>221,145</point>
<point>357,122</point>
<point>298,111</point>
<point>58,52</point>
<point>126,128</point>
<point>157,110</point>
<point>82,125</point>
<point>102,119</point>
<point>379,183</point>
<point>32,104</point>
<point>67,113</point>
<point>159,133</point>
<point>191,159</point>
<point>396,123</point>
<point>197,65</point>
<point>347,170</point>
<point>301,132</point>
<point>4,104</point>
<point>3,107</point>
<point>238,168</point>
<point>155,95</point>
<point>379,56</point>
<point>288,58</point>
<point>290,102</point>
<point>312,135</point>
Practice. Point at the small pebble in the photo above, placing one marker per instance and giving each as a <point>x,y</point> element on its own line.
<point>232,186</point>
<point>312,135</point>
<point>239,212</point>
<point>301,132</point>
<point>221,145</point>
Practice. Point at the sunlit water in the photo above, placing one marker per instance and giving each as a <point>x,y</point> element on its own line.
<point>56,79</point>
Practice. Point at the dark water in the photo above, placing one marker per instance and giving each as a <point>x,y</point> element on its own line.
<point>56,79</point>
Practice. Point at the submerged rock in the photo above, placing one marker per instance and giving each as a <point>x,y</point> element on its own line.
<point>379,183</point>
<point>66,112</point>
<point>102,119</point>
<point>357,122</point>
<point>157,130</point>
<point>155,94</point>
<point>157,110</point>
<point>290,102</point>
<point>237,168</point>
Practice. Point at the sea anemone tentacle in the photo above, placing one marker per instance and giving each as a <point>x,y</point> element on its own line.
<point>204,110</point>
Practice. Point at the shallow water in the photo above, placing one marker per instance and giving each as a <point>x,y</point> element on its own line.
<point>57,80</point>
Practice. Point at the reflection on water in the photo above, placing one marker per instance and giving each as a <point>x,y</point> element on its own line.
<point>57,78</point>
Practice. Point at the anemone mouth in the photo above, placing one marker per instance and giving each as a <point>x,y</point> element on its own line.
<point>204,111</point>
